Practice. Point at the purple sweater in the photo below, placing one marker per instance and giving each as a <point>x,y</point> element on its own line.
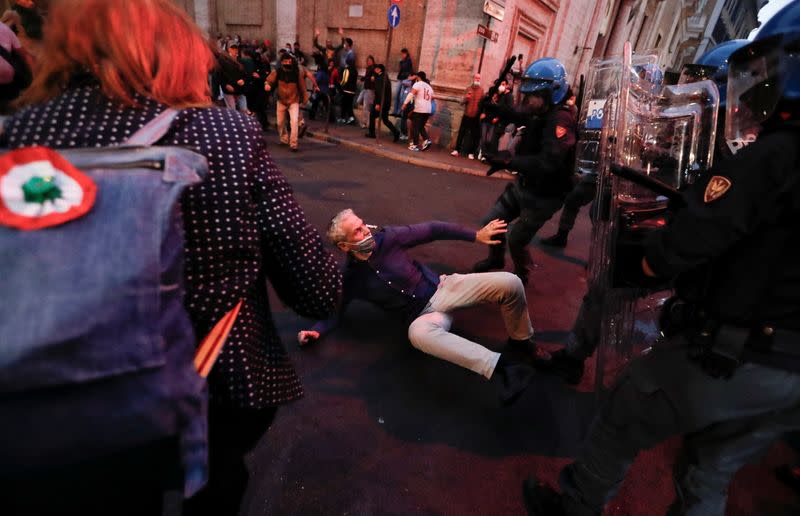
<point>390,279</point>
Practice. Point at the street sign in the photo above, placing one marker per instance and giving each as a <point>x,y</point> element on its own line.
<point>394,16</point>
<point>486,32</point>
<point>494,10</point>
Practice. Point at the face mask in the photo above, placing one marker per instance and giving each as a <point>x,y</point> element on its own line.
<point>476,83</point>
<point>286,67</point>
<point>364,246</point>
<point>501,89</point>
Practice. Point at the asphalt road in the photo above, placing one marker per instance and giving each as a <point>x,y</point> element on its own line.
<point>385,429</point>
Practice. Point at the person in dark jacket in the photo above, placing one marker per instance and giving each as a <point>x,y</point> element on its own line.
<point>404,71</point>
<point>367,96</point>
<point>349,85</point>
<point>379,270</point>
<point>243,227</point>
<point>329,51</point>
<point>257,97</point>
<point>383,93</point>
<point>232,79</point>
<point>542,163</point>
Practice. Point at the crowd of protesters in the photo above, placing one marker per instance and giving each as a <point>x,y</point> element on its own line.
<point>335,86</point>
<point>329,81</point>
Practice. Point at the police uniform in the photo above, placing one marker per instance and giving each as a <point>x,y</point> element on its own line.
<point>729,373</point>
<point>543,165</point>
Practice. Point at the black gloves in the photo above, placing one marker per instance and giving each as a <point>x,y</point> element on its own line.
<point>499,161</point>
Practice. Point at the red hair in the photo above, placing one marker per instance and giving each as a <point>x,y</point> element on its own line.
<point>150,47</point>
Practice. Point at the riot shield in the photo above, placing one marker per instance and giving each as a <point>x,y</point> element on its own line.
<point>667,134</point>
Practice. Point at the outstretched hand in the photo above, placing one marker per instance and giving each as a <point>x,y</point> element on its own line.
<point>306,337</point>
<point>486,234</point>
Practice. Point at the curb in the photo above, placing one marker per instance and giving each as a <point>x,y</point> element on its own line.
<point>411,160</point>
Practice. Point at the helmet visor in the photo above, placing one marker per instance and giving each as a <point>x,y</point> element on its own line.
<point>532,85</point>
<point>695,73</point>
<point>755,85</point>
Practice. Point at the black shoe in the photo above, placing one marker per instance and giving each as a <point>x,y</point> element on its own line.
<point>562,364</point>
<point>541,499</point>
<point>514,377</point>
<point>557,240</point>
<point>488,264</point>
<point>396,137</point>
<point>534,354</point>
<point>368,135</point>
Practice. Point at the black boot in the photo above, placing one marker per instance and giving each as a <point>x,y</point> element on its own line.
<point>561,363</point>
<point>557,240</point>
<point>496,259</point>
<point>533,353</point>
<point>514,377</point>
<point>543,500</point>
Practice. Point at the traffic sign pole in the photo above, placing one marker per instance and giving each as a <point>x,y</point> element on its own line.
<point>393,20</point>
<point>483,49</point>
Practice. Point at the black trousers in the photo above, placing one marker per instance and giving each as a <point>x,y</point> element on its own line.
<point>664,393</point>
<point>232,433</point>
<point>418,121</point>
<point>529,211</point>
<point>469,135</point>
<point>347,105</point>
<point>583,193</point>
<point>373,115</point>
<point>326,101</point>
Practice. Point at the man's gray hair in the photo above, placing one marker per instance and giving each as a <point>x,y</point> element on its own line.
<point>335,233</point>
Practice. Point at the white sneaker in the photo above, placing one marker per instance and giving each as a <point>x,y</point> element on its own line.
<point>454,153</point>
<point>413,147</point>
<point>470,156</point>
<point>426,144</point>
<point>403,138</point>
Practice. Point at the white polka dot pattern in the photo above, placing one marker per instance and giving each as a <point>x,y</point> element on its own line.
<point>242,224</point>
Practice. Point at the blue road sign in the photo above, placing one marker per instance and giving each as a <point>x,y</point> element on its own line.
<point>394,16</point>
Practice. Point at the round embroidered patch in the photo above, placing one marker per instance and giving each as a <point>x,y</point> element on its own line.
<point>39,189</point>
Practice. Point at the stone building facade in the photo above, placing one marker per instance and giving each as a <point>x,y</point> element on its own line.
<point>442,35</point>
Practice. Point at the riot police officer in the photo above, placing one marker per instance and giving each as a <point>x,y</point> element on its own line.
<point>542,163</point>
<point>714,65</point>
<point>583,339</point>
<point>730,366</point>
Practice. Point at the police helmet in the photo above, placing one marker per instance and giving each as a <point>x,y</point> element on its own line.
<point>713,65</point>
<point>546,74</point>
<point>764,75</point>
<point>650,73</point>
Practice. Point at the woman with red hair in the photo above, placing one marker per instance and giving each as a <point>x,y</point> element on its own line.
<point>111,67</point>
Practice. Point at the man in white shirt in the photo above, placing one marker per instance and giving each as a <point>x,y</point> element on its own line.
<point>421,95</point>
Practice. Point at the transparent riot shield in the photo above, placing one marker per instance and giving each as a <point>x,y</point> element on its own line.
<point>666,134</point>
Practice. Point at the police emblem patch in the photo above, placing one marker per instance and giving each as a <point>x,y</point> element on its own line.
<point>716,188</point>
<point>560,131</point>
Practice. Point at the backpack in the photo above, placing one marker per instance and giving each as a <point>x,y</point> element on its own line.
<point>96,347</point>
